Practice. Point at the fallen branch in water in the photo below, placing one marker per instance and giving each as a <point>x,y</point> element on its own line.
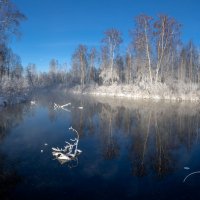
<point>70,151</point>
<point>197,172</point>
<point>57,106</point>
<point>33,102</point>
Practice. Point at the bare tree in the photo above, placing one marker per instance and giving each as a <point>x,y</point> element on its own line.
<point>112,40</point>
<point>143,39</point>
<point>129,65</point>
<point>31,74</point>
<point>10,18</point>
<point>80,63</point>
<point>53,71</point>
<point>91,66</point>
<point>167,35</point>
<point>192,62</point>
<point>182,66</point>
<point>120,66</point>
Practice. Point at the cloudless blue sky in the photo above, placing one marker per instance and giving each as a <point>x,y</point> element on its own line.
<point>55,27</point>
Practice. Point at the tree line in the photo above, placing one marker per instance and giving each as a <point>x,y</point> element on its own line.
<point>155,55</point>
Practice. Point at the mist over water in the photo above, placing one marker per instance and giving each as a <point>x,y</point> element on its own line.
<point>131,149</point>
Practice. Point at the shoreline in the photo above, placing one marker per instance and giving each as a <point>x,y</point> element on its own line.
<point>129,92</point>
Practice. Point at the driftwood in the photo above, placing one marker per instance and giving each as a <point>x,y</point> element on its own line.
<point>63,107</point>
<point>70,150</point>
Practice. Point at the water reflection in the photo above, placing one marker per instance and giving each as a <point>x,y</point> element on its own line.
<point>154,133</point>
<point>9,178</point>
<point>10,117</point>
<point>120,139</point>
<point>111,146</point>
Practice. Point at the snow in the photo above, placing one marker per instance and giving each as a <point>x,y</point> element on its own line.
<point>33,102</point>
<point>142,91</point>
<point>70,151</point>
<point>63,107</point>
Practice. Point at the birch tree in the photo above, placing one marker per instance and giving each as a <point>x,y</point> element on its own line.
<point>53,70</point>
<point>182,66</point>
<point>80,63</point>
<point>143,40</point>
<point>31,75</point>
<point>10,19</point>
<point>129,65</point>
<point>91,66</point>
<point>112,41</point>
<point>167,36</point>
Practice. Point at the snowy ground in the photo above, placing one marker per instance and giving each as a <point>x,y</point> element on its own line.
<point>143,91</point>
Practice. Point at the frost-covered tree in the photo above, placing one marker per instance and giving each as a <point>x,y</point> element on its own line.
<point>142,41</point>
<point>112,40</point>
<point>32,76</point>
<point>53,70</point>
<point>167,36</point>
<point>11,70</point>
<point>80,64</point>
<point>128,71</point>
<point>120,66</point>
<point>92,59</point>
<point>13,65</point>
<point>10,19</point>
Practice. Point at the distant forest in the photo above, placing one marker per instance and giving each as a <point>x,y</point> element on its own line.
<point>156,55</point>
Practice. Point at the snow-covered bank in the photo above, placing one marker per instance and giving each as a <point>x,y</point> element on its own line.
<point>13,91</point>
<point>143,91</point>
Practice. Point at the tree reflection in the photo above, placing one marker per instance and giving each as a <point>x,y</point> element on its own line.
<point>155,134</point>
<point>11,117</point>
<point>140,146</point>
<point>152,134</point>
<point>109,139</point>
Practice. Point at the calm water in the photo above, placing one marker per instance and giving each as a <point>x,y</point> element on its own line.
<point>131,149</point>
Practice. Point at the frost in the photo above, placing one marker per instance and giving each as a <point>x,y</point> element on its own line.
<point>33,102</point>
<point>63,107</point>
<point>70,151</point>
<point>143,90</point>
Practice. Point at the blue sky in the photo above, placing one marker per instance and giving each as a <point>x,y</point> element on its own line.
<point>55,27</point>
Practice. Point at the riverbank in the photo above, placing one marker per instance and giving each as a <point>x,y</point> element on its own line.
<point>143,91</point>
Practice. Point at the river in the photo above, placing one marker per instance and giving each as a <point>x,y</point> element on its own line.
<point>130,149</point>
